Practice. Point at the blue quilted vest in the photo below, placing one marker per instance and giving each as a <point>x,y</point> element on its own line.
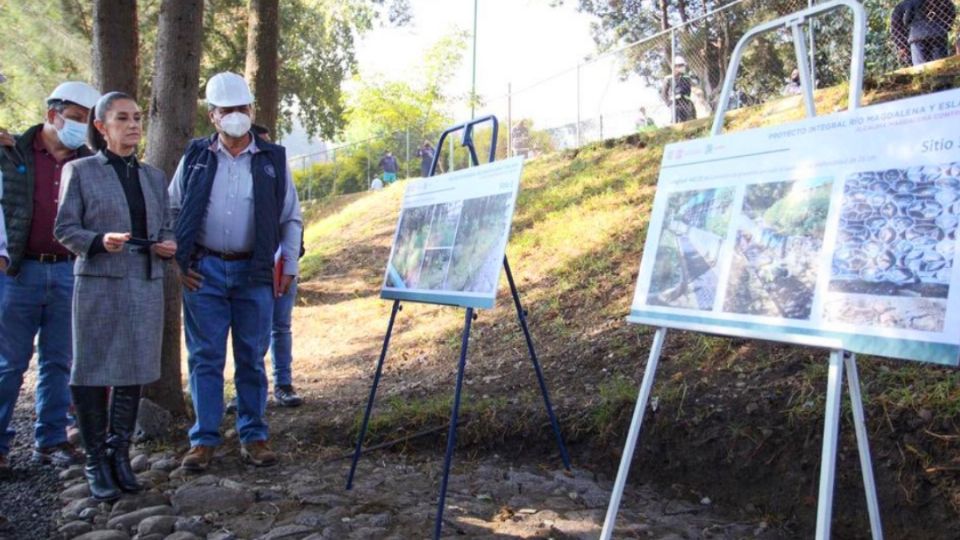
<point>269,166</point>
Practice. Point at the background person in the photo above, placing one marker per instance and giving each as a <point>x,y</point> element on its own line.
<point>38,284</point>
<point>426,154</point>
<point>390,167</point>
<point>676,90</point>
<point>114,216</point>
<point>920,28</point>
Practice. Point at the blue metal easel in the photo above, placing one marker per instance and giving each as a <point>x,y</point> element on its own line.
<point>470,316</point>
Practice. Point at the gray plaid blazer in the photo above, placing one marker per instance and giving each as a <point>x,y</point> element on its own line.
<point>92,202</point>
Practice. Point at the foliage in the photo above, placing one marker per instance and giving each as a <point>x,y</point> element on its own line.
<point>35,66</point>
<point>385,108</point>
<point>317,40</point>
<point>707,43</point>
<point>804,214</point>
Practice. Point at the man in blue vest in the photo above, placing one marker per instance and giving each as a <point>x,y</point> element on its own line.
<point>234,203</point>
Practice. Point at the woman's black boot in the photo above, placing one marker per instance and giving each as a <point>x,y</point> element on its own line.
<point>91,403</point>
<point>124,403</point>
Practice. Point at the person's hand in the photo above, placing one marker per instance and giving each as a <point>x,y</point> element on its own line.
<point>6,139</point>
<point>165,249</point>
<point>4,263</point>
<point>192,279</point>
<point>285,282</point>
<point>904,56</point>
<point>113,241</point>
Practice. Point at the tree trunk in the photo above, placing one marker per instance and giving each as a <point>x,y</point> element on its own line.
<point>263,41</point>
<point>664,15</point>
<point>173,108</point>
<point>115,45</point>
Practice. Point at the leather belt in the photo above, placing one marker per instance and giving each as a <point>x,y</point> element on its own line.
<point>49,258</point>
<point>226,256</point>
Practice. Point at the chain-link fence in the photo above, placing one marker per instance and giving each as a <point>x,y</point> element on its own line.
<point>677,75</point>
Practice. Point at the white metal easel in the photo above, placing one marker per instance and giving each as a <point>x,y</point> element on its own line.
<point>839,359</point>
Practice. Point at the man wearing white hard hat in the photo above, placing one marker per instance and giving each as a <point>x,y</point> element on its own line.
<point>235,205</point>
<point>676,90</point>
<point>38,285</point>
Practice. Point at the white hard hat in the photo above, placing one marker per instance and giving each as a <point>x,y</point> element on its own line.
<point>228,90</point>
<point>77,92</point>
<point>679,60</point>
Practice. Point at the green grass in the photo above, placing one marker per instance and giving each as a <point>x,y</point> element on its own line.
<point>577,237</point>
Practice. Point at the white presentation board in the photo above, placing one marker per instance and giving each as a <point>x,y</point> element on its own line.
<point>451,236</point>
<point>840,228</point>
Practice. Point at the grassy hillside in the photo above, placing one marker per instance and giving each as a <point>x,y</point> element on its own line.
<point>729,413</point>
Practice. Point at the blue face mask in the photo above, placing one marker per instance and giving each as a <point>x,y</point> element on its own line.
<point>73,134</point>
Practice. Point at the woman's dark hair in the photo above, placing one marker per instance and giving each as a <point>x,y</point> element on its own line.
<point>99,112</point>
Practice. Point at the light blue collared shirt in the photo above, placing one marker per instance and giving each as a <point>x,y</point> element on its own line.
<point>228,224</point>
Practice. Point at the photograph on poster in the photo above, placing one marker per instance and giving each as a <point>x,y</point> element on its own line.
<point>685,265</point>
<point>778,241</point>
<point>455,246</point>
<point>409,246</point>
<point>476,261</point>
<point>895,248</point>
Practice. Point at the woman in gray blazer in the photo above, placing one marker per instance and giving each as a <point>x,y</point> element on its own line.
<point>113,215</point>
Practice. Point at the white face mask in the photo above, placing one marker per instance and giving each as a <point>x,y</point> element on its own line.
<point>73,134</point>
<point>235,124</point>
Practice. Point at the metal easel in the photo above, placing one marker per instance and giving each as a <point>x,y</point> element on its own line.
<point>839,358</point>
<point>470,315</point>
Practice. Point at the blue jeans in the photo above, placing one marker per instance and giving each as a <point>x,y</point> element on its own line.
<point>227,301</point>
<point>36,300</point>
<point>928,50</point>
<point>281,339</point>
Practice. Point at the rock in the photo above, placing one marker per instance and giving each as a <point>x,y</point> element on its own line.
<point>157,525</point>
<point>221,535</point>
<point>140,463</point>
<point>156,478</point>
<point>153,421</point>
<point>74,528</point>
<point>182,535</point>
<point>75,471</point>
<point>379,520</point>
<point>250,524</point>
<point>166,464</point>
<point>136,502</point>
<point>149,537</point>
<point>72,510</point>
<point>227,483</point>
<point>266,495</point>
<point>310,518</point>
<point>104,535</point>
<point>193,524</point>
<point>90,514</point>
<point>130,520</point>
<point>287,532</point>
<point>79,491</point>
<point>368,533</point>
<point>201,499</point>
<point>706,501</point>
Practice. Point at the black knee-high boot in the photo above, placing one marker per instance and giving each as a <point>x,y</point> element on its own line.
<point>92,418</point>
<point>124,403</point>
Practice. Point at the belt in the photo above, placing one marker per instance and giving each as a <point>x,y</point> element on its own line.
<point>49,258</point>
<point>202,252</point>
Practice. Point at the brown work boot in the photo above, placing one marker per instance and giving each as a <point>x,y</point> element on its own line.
<point>258,453</point>
<point>59,455</point>
<point>198,458</point>
<point>6,471</point>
